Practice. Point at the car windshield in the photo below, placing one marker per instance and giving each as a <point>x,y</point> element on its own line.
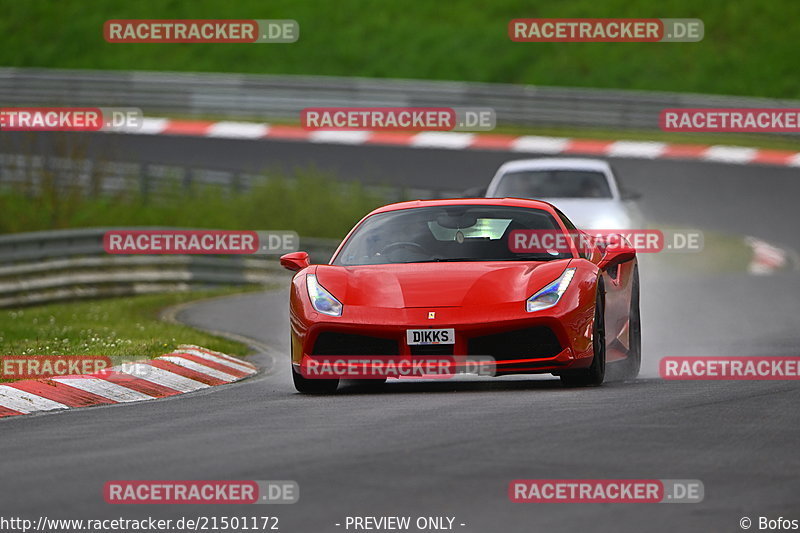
<point>445,233</point>
<point>553,184</point>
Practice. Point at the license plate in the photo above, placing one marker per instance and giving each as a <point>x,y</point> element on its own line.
<point>416,337</point>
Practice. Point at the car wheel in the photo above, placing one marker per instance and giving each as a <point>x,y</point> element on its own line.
<point>596,373</point>
<point>633,362</point>
<point>313,386</point>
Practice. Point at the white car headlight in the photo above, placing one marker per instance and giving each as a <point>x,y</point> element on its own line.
<point>551,294</point>
<point>321,299</point>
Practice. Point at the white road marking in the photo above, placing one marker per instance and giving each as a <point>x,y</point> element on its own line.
<point>339,137</point>
<point>150,126</point>
<point>442,139</point>
<point>163,377</point>
<point>729,154</point>
<point>537,144</point>
<point>238,130</point>
<point>197,367</point>
<point>104,388</point>
<point>645,150</point>
<point>460,140</point>
<point>232,364</point>
<point>25,402</point>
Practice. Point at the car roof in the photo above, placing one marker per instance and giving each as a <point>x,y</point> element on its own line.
<point>561,163</point>
<point>576,163</point>
<point>512,202</point>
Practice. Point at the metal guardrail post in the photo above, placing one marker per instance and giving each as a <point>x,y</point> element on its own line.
<point>188,178</point>
<point>144,182</point>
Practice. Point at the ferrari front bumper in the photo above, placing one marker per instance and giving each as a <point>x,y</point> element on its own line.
<point>504,337</point>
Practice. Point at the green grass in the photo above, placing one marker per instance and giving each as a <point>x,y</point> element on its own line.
<point>721,253</point>
<point>126,329</point>
<point>311,204</point>
<point>750,47</point>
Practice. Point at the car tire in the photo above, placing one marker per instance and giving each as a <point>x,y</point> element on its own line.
<point>632,364</point>
<point>596,373</point>
<point>312,386</point>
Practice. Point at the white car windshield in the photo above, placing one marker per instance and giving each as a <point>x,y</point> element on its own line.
<point>553,184</point>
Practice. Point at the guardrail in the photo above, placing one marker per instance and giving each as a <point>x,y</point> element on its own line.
<point>50,266</point>
<point>28,172</point>
<point>250,96</point>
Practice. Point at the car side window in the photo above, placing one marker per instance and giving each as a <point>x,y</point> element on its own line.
<point>582,252</point>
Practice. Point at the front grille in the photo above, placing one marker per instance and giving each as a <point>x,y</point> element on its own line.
<point>529,343</point>
<point>432,349</point>
<point>334,343</point>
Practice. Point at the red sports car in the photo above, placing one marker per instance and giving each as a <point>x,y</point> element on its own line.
<point>502,279</point>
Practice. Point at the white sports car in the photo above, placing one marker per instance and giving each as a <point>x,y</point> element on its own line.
<point>586,190</point>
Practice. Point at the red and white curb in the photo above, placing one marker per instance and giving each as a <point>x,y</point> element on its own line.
<point>187,369</point>
<point>471,141</point>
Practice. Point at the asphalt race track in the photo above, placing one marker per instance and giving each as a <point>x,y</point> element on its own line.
<point>753,200</point>
<point>451,448</point>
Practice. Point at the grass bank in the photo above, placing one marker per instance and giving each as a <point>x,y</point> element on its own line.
<point>749,46</point>
<point>126,329</point>
<point>310,204</point>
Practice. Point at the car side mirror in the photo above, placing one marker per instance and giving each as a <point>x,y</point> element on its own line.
<point>295,261</point>
<point>617,252</point>
<point>629,196</point>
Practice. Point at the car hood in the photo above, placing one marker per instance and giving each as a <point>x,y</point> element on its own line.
<point>438,284</point>
<point>591,213</point>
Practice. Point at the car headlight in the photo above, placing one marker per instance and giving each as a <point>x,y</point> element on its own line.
<point>321,299</point>
<point>550,295</point>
